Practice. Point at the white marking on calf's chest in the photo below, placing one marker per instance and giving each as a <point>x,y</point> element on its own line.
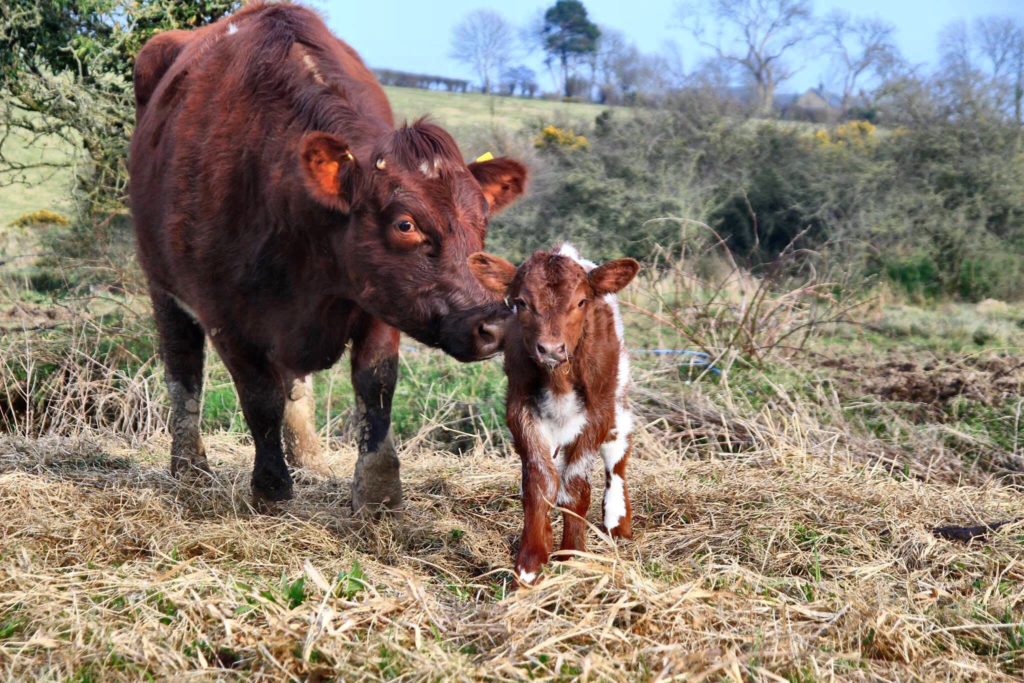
<point>560,418</point>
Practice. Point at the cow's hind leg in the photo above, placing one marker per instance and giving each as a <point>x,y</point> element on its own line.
<point>376,484</point>
<point>181,347</point>
<point>301,442</point>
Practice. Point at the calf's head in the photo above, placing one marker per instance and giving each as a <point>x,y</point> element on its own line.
<point>408,213</point>
<point>549,296</point>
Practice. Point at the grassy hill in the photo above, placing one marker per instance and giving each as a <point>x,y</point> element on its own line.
<point>466,114</point>
<point>471,109</point>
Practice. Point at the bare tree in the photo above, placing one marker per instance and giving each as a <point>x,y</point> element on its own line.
<point>861,48</point>
<point>983,65</point>
<point>624,73</point>
<point>485,42</point>
<point>1000,44</point>
<point>760,34</point>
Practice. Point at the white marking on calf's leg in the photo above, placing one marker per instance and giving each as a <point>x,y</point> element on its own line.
<point>612,452</point>
<point>614,502</point>
<point>577,469</point>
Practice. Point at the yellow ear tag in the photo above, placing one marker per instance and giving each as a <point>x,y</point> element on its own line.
<point>486,156</point>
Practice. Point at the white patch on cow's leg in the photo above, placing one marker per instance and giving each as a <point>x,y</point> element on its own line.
<point>187,451</point>
<point>301,441</point>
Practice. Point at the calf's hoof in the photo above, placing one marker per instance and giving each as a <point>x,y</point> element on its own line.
<point>376,484</point>
<point>623,530</point>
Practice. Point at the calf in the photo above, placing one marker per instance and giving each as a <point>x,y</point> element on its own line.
<point>568,371</point>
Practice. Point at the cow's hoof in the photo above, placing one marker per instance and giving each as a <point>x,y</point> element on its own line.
<point>192,470</point>
<point>311,469</point>
<point>268,491</point>
<point>376,485</point>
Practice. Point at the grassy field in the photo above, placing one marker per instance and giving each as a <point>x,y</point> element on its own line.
<point>784,500</point>
<point>459,110</point>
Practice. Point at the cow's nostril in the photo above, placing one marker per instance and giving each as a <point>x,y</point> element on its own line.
<point>541,349</point>
<point>488,338</point>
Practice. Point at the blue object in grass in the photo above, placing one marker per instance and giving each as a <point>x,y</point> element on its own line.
<point>698,359</point>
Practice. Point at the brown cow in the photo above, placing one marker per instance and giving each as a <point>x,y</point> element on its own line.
<point>279,212</point>
<point>567,373</point>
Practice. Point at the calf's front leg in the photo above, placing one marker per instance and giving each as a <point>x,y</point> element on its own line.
<point>540,488</point>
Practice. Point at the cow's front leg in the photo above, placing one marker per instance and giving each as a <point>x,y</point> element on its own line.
<point>376,484</point>
<point>301,442</point>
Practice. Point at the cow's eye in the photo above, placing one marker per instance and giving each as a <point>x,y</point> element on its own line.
<point>405,226</point>
<point>520,304</point>
<point>582,303</point>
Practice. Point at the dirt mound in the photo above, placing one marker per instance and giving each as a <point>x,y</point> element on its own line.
<point>989,380</point>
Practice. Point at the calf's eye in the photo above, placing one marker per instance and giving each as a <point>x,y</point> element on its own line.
<point>582,303</point>
<point>520,304</point>
<point>405,226</point>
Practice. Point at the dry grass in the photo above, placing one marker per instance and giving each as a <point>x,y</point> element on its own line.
<point>781,563</point>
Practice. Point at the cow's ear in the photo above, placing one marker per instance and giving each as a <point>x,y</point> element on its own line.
<point>493,272</point>
<point>610,277</point>
<point>328,169</point>
<point>501,179</point>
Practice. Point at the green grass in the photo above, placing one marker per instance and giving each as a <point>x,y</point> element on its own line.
<point>459,110</point>
<point>43,188</point>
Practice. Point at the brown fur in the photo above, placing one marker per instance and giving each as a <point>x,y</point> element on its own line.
<point>277,207</point>
<point>546,294</point>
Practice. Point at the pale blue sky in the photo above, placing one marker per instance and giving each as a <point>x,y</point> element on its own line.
<point>415,36</point>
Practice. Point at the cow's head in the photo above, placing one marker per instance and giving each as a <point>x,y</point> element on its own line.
<point>549,295</point>
<point>413,212</point>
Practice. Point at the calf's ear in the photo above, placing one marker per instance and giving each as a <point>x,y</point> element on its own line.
<point>328,169</point>
<point>501,179</point>
<point>610,277</point>
<point>493,272</point>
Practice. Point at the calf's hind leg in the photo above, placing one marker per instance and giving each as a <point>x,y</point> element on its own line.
<point>181,347</point>
<point>618,512</point>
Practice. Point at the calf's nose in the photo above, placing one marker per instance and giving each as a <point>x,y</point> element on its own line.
<point>552,354</point>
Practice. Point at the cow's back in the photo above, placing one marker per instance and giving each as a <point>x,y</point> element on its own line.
<point>219,114</point>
